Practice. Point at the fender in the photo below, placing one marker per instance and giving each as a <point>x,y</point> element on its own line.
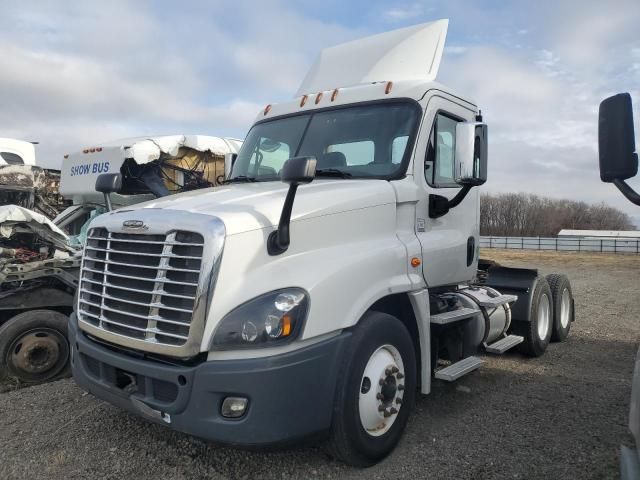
<point>515,281</point>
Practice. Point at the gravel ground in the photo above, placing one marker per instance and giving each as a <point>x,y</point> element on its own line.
<point>560,416</point>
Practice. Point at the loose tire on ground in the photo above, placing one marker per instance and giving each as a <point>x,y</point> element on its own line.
<point>34,347</point>
<point>537,333</point>
<point>378,366</point>
<point>563,306</point>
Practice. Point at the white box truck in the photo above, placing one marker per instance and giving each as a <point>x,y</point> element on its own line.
<point>329,280</point>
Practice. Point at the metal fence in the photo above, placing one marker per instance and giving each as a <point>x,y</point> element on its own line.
<point>568,244</point>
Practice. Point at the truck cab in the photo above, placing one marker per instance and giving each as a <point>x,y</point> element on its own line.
<point>330,278</point>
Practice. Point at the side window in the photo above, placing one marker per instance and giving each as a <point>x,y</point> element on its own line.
<point>355,153</point>
<point>438,165</point>
<point>11,158</point>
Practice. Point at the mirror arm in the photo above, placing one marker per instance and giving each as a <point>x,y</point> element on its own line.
<point>278,241</point>
<point>627,191</point>
<point>439,205</point>
<point>455,201</point>
<point>107,201</point>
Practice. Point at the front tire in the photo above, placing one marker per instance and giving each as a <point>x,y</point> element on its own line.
<point>34,347</point>
<point>375,391</point>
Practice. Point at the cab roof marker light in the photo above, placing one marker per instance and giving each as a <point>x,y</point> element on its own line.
<point>66,156</point>
<point>387,89</point>
<point>267,109</point>
<point>86,150</point>
<point>318,97</point>
<point>92,149</point>
<point>334,95</point>
<point>303,100</point>
<point>98,149</point>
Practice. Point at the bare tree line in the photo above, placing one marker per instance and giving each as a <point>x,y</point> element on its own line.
<point>527,215</point>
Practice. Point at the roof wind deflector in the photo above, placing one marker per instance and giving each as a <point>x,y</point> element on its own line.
<point>411,53</point>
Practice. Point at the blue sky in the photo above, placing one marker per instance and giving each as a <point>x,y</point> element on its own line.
<point>74,74</point>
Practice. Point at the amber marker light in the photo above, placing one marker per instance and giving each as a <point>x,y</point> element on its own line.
<point>318,98</point>
<point>334,95</point>
<point>267,109</point>
<point>388,88</point>
<point>286,326</point>
<point>303,100</point>
<point>415,262</point>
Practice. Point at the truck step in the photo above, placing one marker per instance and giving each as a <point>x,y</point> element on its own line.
<point>504,344</point>
<point>453,316</point>
<point>458,369</point>
<point>497,301</point>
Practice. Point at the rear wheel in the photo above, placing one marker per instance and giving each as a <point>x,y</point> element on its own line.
<point>537,333</point>
<point>34,347</point>
<point>563,307</point>
<point>375,391</point>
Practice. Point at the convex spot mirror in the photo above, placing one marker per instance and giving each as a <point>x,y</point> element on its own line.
<point>616,139</point>
<point>470,160</point>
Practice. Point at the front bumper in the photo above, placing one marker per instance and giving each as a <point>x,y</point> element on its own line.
<point>290,395</point>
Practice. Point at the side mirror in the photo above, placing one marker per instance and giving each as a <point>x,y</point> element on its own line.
<point>299,170</point>
<point>296,171</point>
<point>469,166</point>
<point>229,161</point>
<point>616,139</point>
<point>470,161</point>
<point>617,145</point>
<point>108,183</point>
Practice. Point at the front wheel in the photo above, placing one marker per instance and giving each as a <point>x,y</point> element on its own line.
<point>375,391</point>
<point>34,347</point>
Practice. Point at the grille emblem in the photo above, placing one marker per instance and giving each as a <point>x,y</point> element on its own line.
<point>134,225</point>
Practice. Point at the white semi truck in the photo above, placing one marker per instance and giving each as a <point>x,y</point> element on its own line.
<point>619,163</point>
<point>331,278</point>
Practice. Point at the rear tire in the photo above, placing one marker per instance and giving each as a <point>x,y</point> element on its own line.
<point>378,368</point>
<point>537,332</point>
<point>563,306</point>
<point>34,347</point>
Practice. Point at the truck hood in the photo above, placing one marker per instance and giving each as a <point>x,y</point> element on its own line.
<point>251,206</point>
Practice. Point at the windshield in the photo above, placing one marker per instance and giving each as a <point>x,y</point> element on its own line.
<point>368,141</point>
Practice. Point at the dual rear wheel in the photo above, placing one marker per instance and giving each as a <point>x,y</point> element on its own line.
<point>552,311</point>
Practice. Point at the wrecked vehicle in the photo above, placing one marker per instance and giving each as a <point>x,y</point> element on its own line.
<point>39,258</point>
<point>25,184</point>
<point>38,279</point>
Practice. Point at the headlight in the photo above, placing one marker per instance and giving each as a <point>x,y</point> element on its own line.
<point>268,320</point>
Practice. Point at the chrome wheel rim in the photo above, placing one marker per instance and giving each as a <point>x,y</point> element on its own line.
<point>544,314</point>
<point>565,308</point>
<point>381,390</point>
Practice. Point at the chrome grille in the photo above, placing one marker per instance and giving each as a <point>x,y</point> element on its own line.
<point>141,286</point>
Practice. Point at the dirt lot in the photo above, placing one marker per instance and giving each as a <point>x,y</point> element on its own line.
<point>559,416</point>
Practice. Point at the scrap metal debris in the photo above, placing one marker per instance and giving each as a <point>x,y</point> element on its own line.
<point>32,187</point>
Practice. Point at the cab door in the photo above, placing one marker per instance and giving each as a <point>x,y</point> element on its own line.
<point>450,242</point>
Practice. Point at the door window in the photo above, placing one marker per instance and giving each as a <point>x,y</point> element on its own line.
<point>438,165</point>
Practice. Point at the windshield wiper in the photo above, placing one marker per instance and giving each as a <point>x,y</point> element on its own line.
<point>332,172</point>
<point>240,179</point>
